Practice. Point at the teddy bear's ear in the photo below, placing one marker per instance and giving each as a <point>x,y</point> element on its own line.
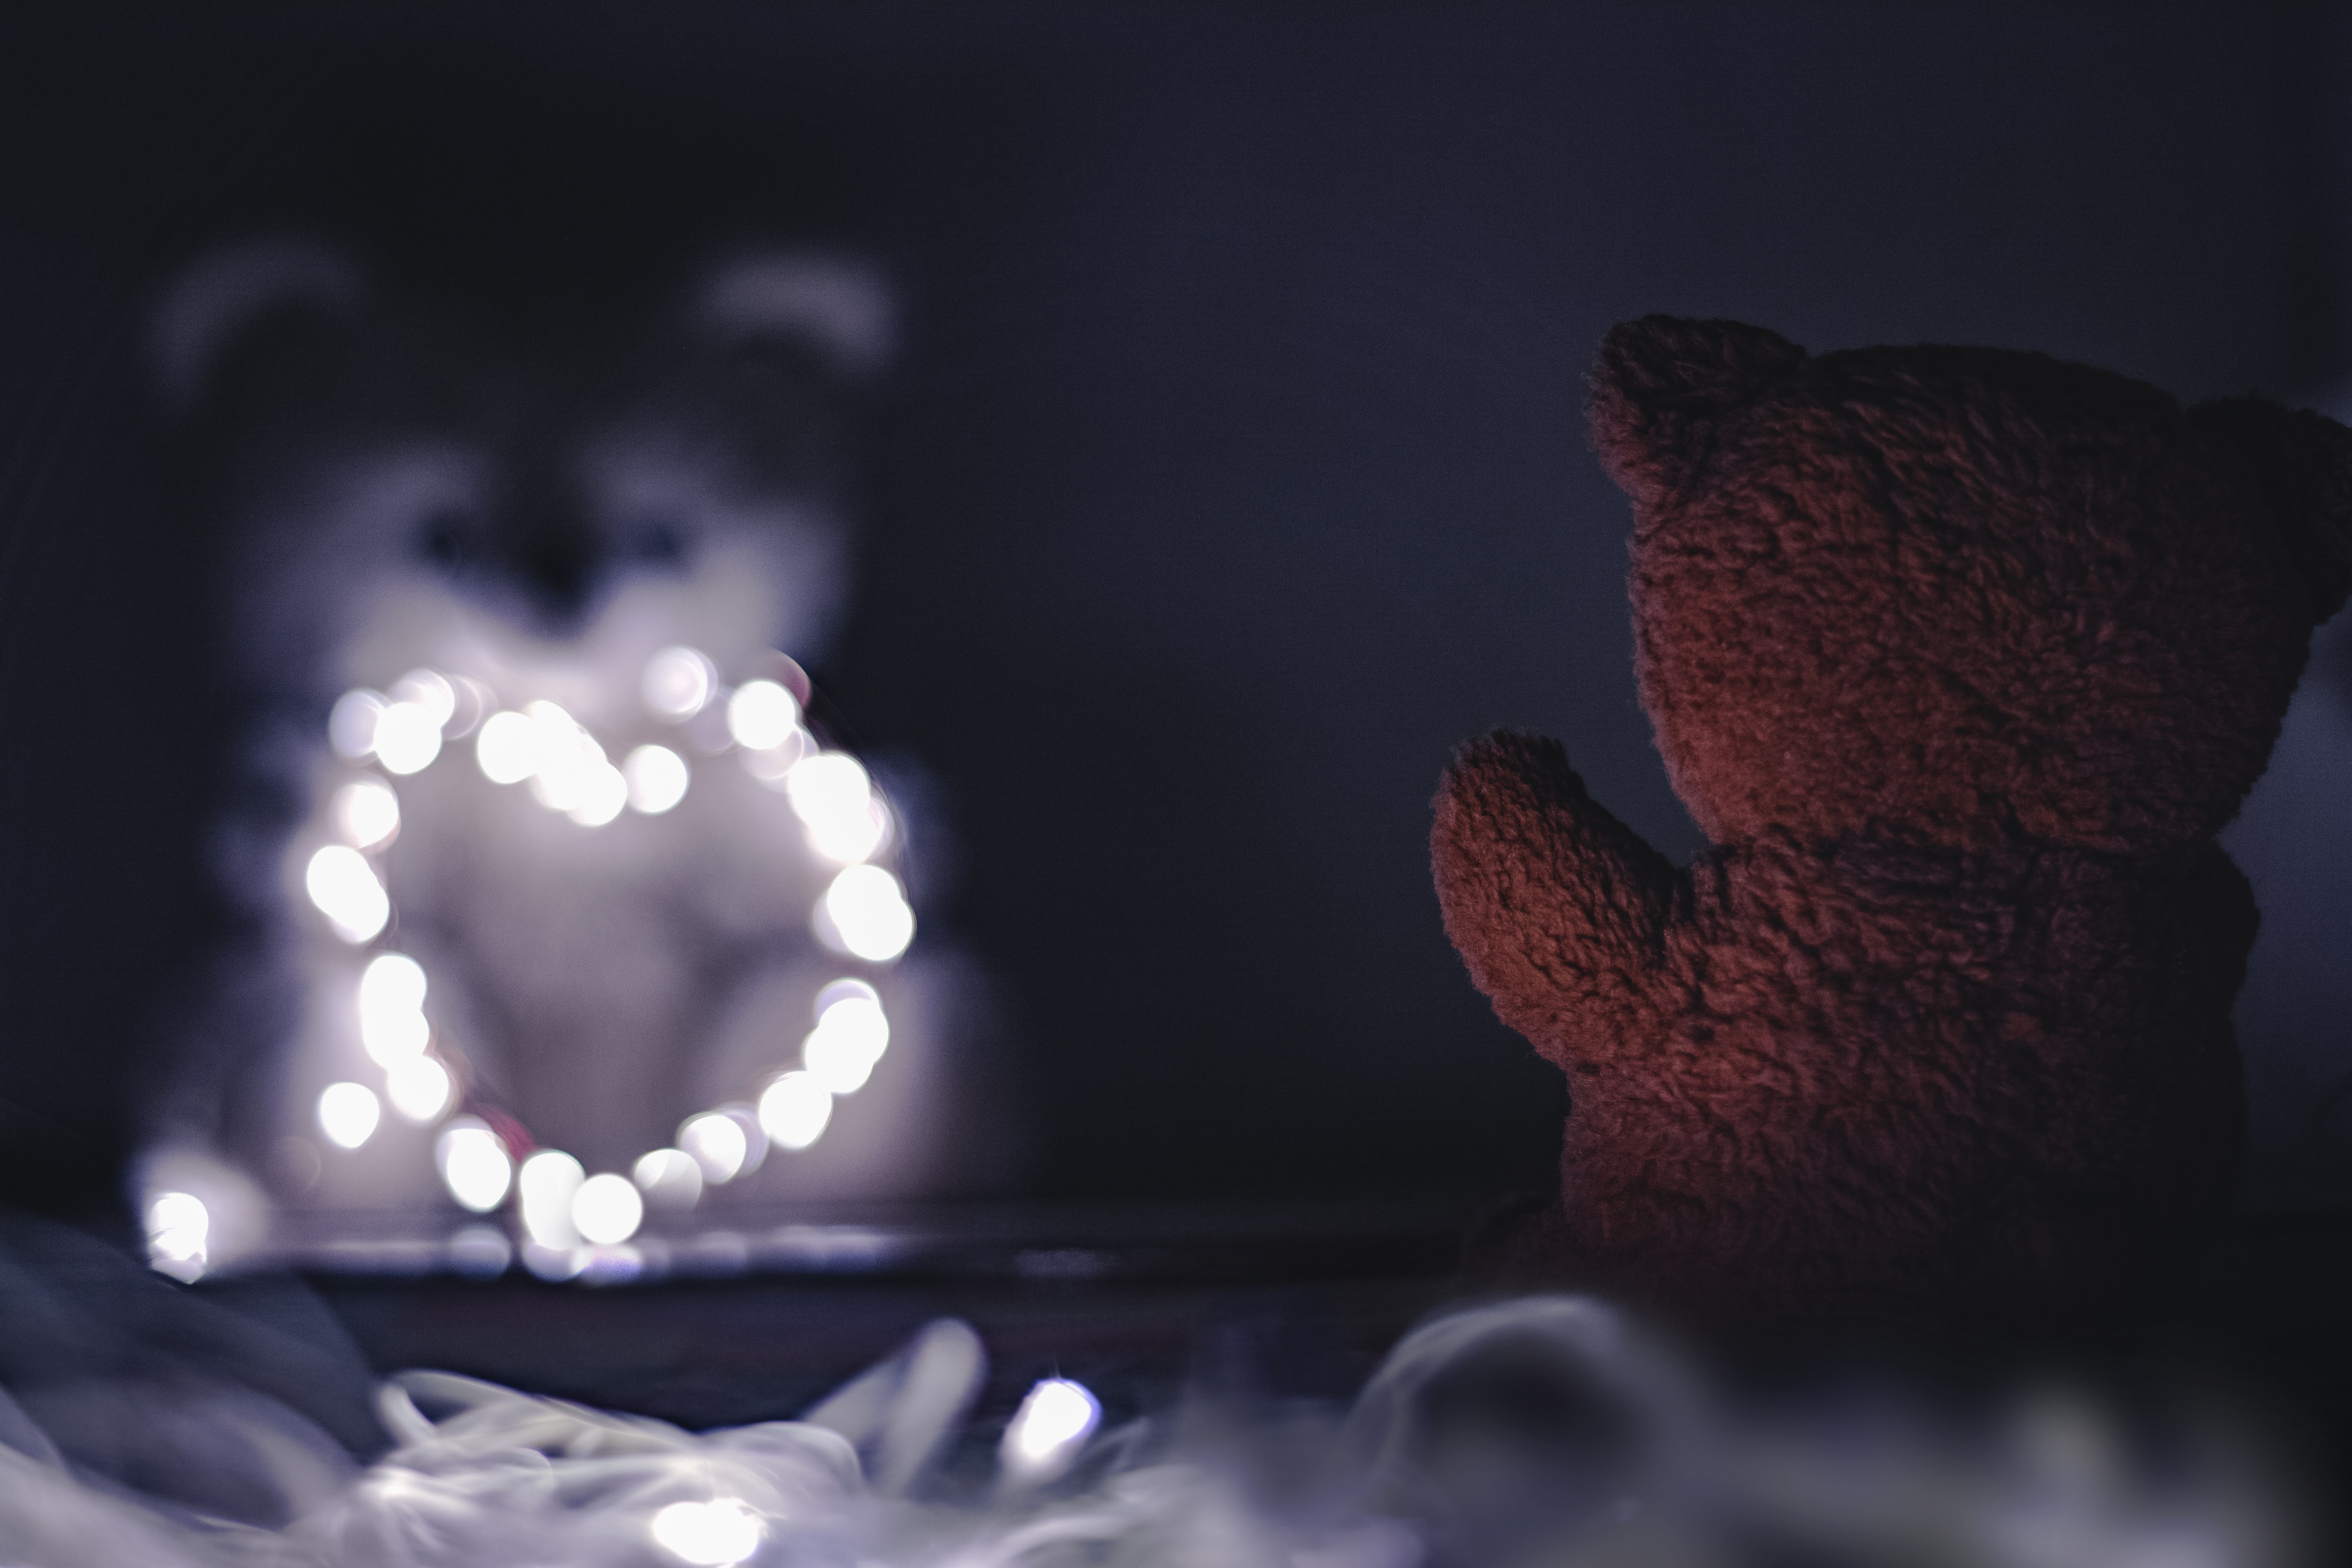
<point>1663,386</point>
<point>226,298</point>
<point>2304,463</point>
<point>834,303</point>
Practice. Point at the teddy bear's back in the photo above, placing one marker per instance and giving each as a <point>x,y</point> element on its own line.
<point>1887,1066</point>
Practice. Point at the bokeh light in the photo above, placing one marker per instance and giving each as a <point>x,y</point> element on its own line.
<point>418,1088</point>
<point>407,738</point>
<point>677,682</point>
<point>555,1263</point>
<point>715,1141</point>
<point>833,798</point>
<point>713,1535</point>
<point>863,913</point>
<point>429,691</point>
<point>772,766</point>
<point>838,1065</point>
<point>607,1210</point>
<point>795,1109</point>
<point>392,1028</point>
<point>844,989</point>
<point>605,791</point>
<point>507,749</point>
<point>348,1114</point>
<point>178,1231</point>
<point>866,914</point>
<point>367,813</point>
<point>657,778</point>
<point>570,772</point>
<point>546,1186</point>
<point>851,1034</point>
<point>611,1264</point>
<point>563,757</point>
<point>474,1164</point>
<point>474,702</point>
<point>671,1178</point>
<point>1048,1431</point>
<point>858,1020</point>
<point>762,714</point>
<point>478,1252</point>
<point>755,1137</point>
<point>394,1039</point>
<point>393,983</point>
<point>343,886</point>
<point>350,726</point>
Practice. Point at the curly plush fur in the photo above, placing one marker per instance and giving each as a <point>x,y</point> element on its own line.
<point>1960,656</point>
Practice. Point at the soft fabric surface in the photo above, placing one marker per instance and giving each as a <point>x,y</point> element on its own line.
<point>174,1433</point>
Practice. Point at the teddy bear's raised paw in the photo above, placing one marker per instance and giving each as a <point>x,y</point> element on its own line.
<point>1558,909</point>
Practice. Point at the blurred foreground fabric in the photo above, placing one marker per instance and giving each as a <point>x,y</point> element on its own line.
<point>145,1423</point>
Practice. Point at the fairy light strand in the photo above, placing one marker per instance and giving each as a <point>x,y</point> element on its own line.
<point>563,1210</point>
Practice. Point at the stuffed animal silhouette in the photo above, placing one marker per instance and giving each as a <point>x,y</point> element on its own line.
<point>1959,657</point>
<point>540,517</point>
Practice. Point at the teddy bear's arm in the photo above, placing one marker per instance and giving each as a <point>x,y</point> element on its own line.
<point>1558,909</point>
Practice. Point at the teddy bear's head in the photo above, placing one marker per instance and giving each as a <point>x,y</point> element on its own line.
<point>1961,590</point>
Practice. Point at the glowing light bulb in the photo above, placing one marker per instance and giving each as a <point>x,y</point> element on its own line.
<point>833,798</point>
<point>716,1141</point>
<point>671,1177</point>
<point>840,1066</point>
<point>348,1114</point>
<point>1048,1431</point>
<point>474,1164</point>
<point>864,914</point>
<point>351,727</point>
<point>678,682</point>
<point>762,714</point>
<point>858,1019</point>
<point>795,1109</point>
<point>606,792</point>
<point>179,1232</point>
<point>573,775</point>
<point>850,1037</point>
<point>391,1000</point>
<point>507,748</point>
<point>828,783</point>
<point>343,887</point>
<point>429,691</point>
<point>607,1210</point>
<point>418,1088</point>
<point>182,1212</point>
<point>407,738</point>
<point>546,1186</point>
<point>657,778</point>
<point>395,1039</point>
<point>844,990</point>
<point>714,1534</point>
<point>367,813</point>
<point>393,983</point>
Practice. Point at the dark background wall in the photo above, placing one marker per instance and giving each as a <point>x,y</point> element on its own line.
<point>1231,473</point>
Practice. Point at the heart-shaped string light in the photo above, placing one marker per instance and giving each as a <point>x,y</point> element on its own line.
<point>563,1211</point>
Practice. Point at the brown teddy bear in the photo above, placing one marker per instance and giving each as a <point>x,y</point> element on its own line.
<point>1960,658</point>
